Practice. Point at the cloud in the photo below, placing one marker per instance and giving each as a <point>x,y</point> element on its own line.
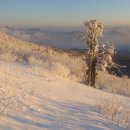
<point>72,39</point>
<point>119,37</point>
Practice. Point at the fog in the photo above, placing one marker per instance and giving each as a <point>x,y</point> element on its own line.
<point>118,36</point>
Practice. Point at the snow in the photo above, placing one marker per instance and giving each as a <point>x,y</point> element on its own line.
<point>54,103</point>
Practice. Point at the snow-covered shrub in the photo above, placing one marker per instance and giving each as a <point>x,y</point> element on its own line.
<point>8,56</point>
<point>77,68</point>
<point>34,60</point>
<point>60,69</point>
<point>22,57</point>
<point>11,98</point>
<point>62,65</point>
<point>75,65</point>
<point>37,70</point>
<point>115,110</point>
<point>112,83</point>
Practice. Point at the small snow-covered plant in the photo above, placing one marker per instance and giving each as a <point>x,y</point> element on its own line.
<point>12,96</point>
<point>35,60</point>
<point>99,55</point>
<point>8,56</point>
<point>115,110</point>
<point>114,84</point>
<point>60,69</point>
<point>11,99</point>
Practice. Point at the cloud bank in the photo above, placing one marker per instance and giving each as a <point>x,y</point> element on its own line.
<point>119,36</point>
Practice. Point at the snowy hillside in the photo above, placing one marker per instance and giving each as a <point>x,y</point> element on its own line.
<point>42,89</point>
<point>54,103</point>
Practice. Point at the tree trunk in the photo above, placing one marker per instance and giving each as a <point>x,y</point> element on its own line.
<point>93,76</point>
<point>91,72</point>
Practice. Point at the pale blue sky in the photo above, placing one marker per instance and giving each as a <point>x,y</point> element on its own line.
<point>58,13</point>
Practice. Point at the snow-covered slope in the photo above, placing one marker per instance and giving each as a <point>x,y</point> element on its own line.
<point>9,43</point>
<point>33,96</point>
<point>54,103</point>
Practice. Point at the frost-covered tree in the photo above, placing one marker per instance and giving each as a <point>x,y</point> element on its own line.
<point>99,55</point>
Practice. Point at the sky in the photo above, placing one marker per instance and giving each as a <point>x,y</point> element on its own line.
<point>63,13</point>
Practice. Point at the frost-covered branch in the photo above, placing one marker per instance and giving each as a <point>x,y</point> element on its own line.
<point>99,55</point>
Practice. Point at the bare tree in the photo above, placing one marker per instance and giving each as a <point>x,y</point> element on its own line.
<point>99,55</point>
